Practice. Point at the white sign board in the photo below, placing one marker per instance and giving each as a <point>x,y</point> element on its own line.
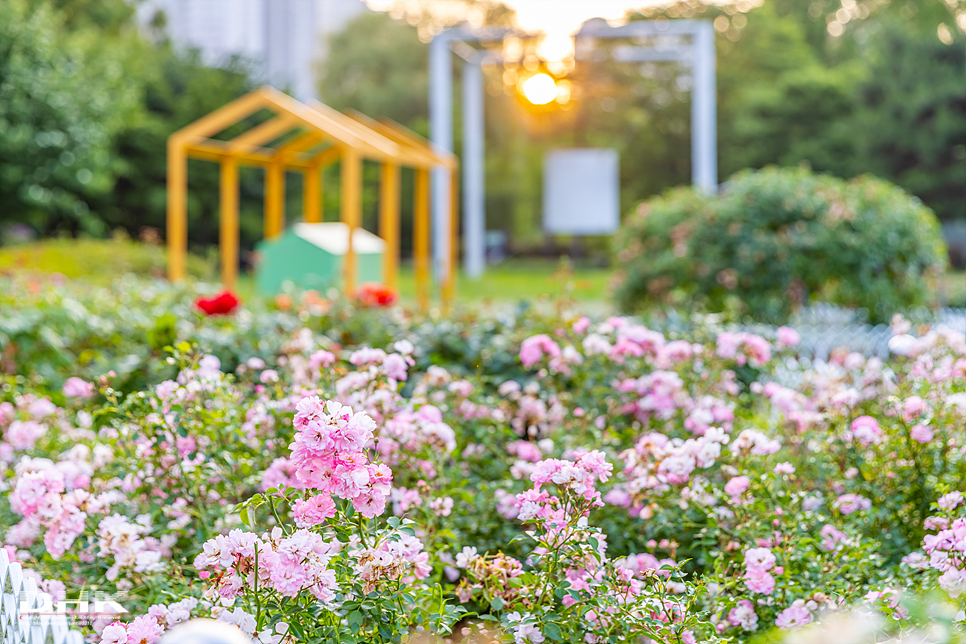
<point>581,192</point>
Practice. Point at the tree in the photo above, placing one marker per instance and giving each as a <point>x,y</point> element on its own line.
<point>175,89</point>
<point>909,121</point>
<point>62,97</point>
<point>378,66</point>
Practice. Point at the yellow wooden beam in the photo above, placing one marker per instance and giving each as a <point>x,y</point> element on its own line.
<point>421,236</point>
<point>336,126</point>
<point>224,117</point>
<point>216,151</point>
<point>405,135</point>
<point>264,133</point>
<point>274,200</point>
<point>327,157</point>
<point>177,208</point>
<point>228,223</point>
<point>299,144</point>
<point>414,152</point>
<point>389,221</point>
<point>351,202</point>
<point>312,194</point>
<point>449,285</point>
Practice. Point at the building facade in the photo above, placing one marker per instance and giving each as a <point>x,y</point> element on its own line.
<point>285,39</point>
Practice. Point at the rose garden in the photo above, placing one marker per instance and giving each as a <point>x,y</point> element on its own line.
<point>726,412</point>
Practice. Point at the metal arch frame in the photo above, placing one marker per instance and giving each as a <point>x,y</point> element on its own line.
<point>699,54</point>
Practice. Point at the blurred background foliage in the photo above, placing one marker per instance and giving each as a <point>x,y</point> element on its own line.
<point>847,87</point>
<point>884,95</point>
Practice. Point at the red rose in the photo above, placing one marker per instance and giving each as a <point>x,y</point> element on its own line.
<point>221,304</point>
<point>372,294</point>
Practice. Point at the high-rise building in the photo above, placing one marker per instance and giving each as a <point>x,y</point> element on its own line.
<point>286,39</point>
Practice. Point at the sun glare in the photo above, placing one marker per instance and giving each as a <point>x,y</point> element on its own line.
<point>540,89</point>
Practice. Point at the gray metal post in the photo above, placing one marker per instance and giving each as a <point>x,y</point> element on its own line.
<point>704,136</point>
<point>441,134</point>
<point>474,217</point>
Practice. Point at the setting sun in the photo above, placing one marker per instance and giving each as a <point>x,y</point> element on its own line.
<point>540,89</point>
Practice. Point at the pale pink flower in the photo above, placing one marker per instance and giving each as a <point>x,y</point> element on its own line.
<point>921,433</point>
<point>743,615</point>
<point>77,388</point>
<point>759,581</point>
<point>737,485</point>
<point>795,616</point>
<point>950,502</point>
<point>787,336</point>
<point>849,503</point>
<point>865,430</point>
<point>313,511</point>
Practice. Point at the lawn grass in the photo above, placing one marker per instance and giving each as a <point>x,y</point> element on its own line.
<point>98,261</point>
<point>507,283</point>
<point>523,279</point>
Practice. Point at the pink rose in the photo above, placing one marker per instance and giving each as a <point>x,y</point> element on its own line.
<point>787,336</point>
<point>77,388</point>
<point>921,433</point>
<point>737,485</point>
<point>314,511</point>
<point>759,581</point>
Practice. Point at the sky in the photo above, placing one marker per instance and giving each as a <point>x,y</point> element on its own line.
<point>558,19</point>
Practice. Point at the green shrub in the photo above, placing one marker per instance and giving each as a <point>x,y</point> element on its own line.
<point>776,239</point>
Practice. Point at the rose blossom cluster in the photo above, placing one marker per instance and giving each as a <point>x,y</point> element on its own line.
<point>125,542</point>
<point>287,565</point>
<point>758,563</point>
<point>532,411</point>
<point>330,455</point>
<point>401,557</point>
<point>52,496</point>
<point>657,462</point>
<point>658,394</point>
<point>947,548</point>
<point>744,348</point>
<point>409,430</point>
<point>574,477</point>
<point>533,349</point>
<point>29,418</point>
<point>865,431</point>
<point>150,627</point>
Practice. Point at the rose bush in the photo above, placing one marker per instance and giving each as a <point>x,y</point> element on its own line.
<point>585,480</point>
<point>776,239</point>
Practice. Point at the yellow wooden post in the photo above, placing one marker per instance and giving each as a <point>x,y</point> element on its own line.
<point>389,221</point>
<point>351,202</point>
<point>312,194</point>
<point>228,223</point>
<point>274,199</point>
<point>177,216</point>
<point>449,286</point>
<point>421,236</point>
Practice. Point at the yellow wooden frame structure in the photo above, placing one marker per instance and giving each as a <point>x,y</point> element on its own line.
<point>306,139</point>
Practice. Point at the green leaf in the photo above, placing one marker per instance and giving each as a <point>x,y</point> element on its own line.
<point>552,631</point>
<point>355,620</point>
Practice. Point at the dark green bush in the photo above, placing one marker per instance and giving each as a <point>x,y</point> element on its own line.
<point>776,239</point>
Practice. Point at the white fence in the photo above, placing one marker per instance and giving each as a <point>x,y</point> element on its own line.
<point>30,628</point>
<point>825,327</point>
